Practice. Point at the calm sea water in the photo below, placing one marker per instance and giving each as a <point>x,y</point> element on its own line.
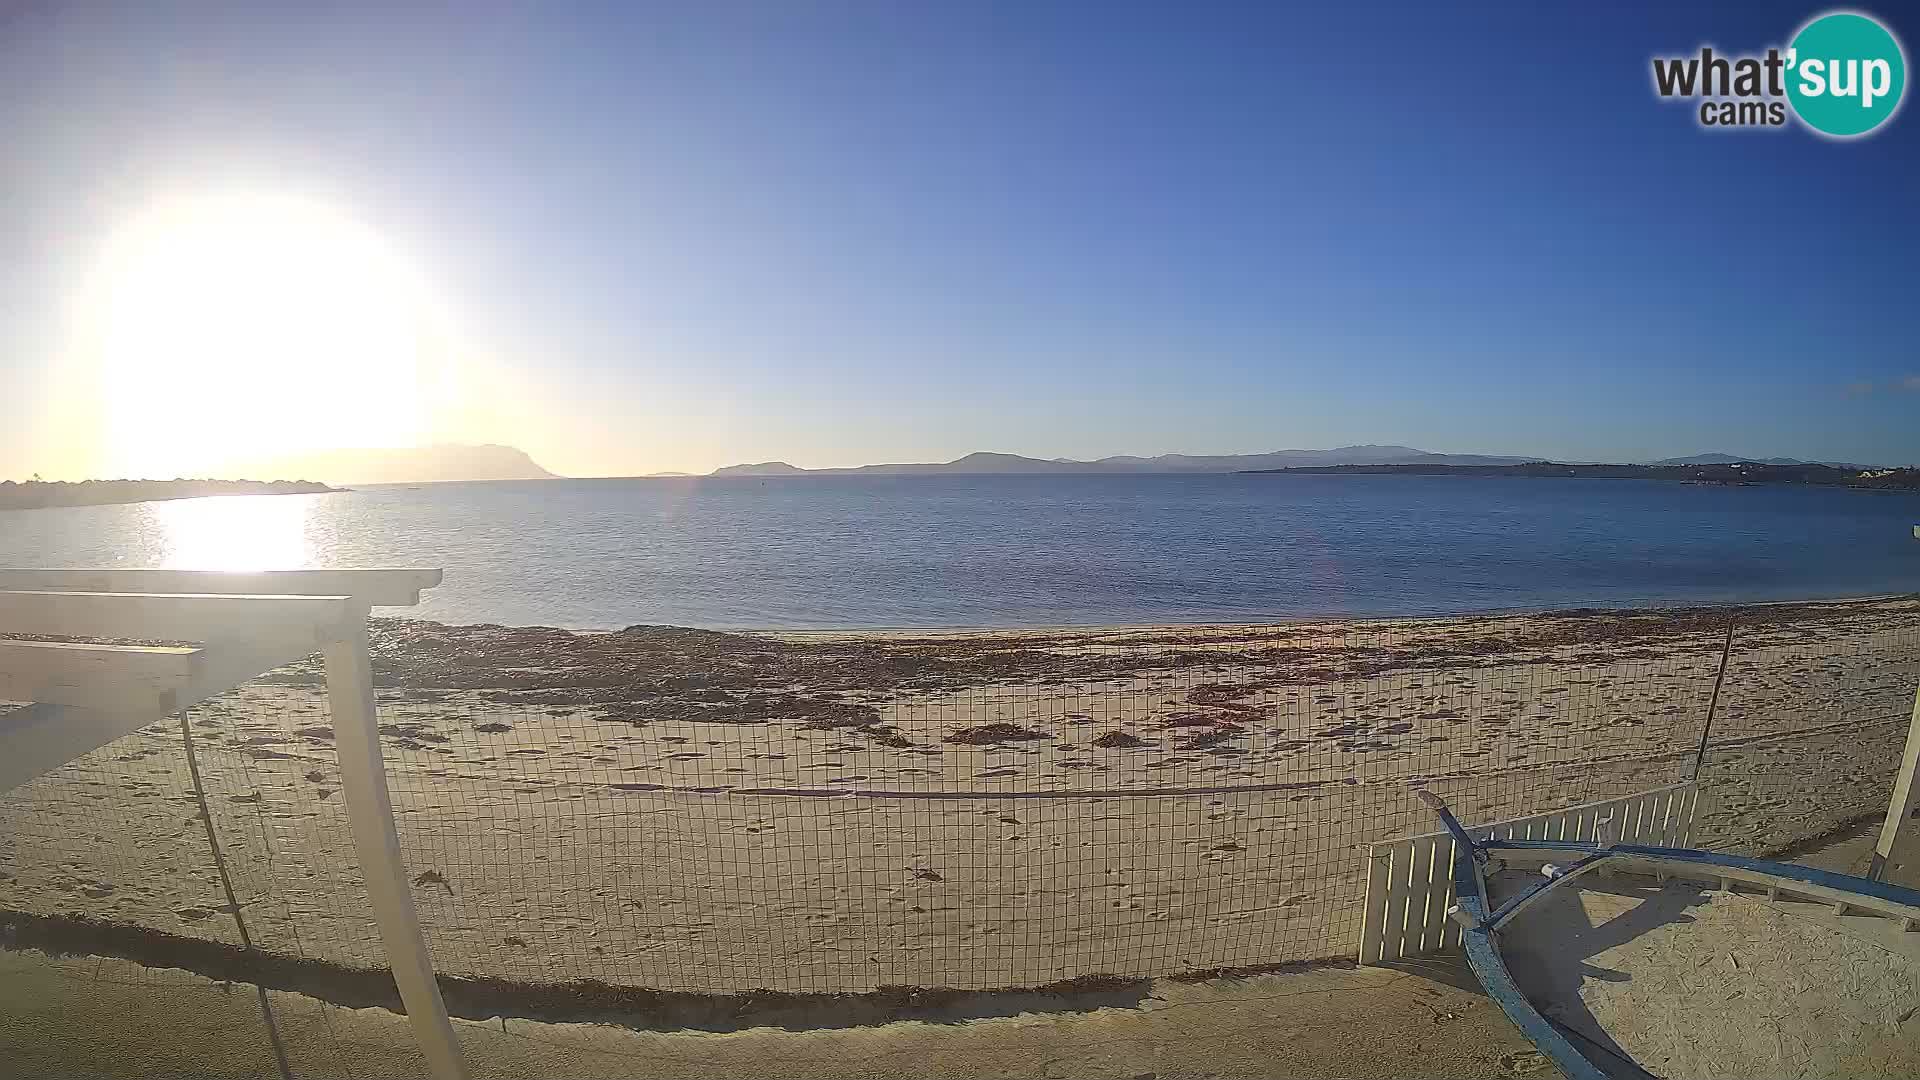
<point>1024,551</point>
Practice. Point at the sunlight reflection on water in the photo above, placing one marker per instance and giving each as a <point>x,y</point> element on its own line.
<point>264,532</point>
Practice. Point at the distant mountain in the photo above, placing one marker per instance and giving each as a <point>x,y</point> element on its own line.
<point>412,465</point>
<point>1736,473</point>
<point>764,468</point>
<point>1280,459</point>
<point>1734,459</point>
<point>984,464</point>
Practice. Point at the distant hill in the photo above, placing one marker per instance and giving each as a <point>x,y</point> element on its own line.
<point>1735,473</point>
<point>413,465</point>
<point>988,464</point>
<point>1368,454</point>
<point>1731,459</point>
<point>764,468</point>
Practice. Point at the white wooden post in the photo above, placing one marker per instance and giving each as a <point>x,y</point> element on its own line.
<point>1896,858</point>
<point>370,808</point>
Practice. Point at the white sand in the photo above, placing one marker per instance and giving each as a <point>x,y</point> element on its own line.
<point>575,846</point>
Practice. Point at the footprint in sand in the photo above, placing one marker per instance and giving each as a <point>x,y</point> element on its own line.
<point>1526,1063</point>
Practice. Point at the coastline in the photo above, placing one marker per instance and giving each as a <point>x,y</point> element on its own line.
<point>1643,605</point>
<point>1736,474</point>
<point>54,495</point>
<point>804,633</point>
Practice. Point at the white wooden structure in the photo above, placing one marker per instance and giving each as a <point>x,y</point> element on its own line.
<point>1896,856</point>
<point>1410,880</point>
<point>84,695</point>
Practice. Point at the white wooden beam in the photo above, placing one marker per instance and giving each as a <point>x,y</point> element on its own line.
<point>381,588</point>
<point>112,677</point>
<point>363,777</point>
<point>171,617</point>
<point>41,738</point>
<point>1896,857</point>
<point>45,736</point>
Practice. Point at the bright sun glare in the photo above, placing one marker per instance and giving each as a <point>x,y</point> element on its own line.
<point>233,534</point>
<point>235,330</point>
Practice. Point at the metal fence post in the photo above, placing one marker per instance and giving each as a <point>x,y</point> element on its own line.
<point>370,808</point>
<point>1713,703</point>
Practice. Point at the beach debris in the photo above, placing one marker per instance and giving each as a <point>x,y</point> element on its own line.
<point>492,727</point>
<point>1213,737</point>
<point>999,731</point>
<point>922,873</point>
<point>1119,740</point>
<point>411,735</point>
<point>433,877</point>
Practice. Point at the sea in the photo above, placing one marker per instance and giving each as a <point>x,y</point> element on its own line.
<point>829,552</point>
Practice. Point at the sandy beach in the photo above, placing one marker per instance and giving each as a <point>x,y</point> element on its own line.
<point>691,810</point>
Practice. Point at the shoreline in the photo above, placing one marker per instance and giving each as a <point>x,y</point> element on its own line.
<point>890,631</point>
<point>62,499</point>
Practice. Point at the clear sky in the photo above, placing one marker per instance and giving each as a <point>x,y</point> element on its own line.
<point>651,237</point>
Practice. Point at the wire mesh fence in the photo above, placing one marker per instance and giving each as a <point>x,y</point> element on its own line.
<point>1809,730</point>
<point>717,813</point>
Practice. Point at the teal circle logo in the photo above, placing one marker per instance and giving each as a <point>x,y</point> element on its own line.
<point>1845,74</point>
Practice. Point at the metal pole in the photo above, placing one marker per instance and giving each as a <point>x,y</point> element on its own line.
<point>1713,703</point>
<point>233,900</point>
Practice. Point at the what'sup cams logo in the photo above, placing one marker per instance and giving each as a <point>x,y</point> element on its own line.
<point>1843,76</point>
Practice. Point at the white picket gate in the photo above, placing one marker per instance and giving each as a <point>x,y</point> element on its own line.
<point>1410,880</point>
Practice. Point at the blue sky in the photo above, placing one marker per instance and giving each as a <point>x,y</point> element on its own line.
<point>679,236</point>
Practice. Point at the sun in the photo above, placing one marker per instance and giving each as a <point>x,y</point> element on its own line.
<point>234,330</point>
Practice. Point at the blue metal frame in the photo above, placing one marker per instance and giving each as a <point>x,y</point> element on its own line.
<point>1481,927</point>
